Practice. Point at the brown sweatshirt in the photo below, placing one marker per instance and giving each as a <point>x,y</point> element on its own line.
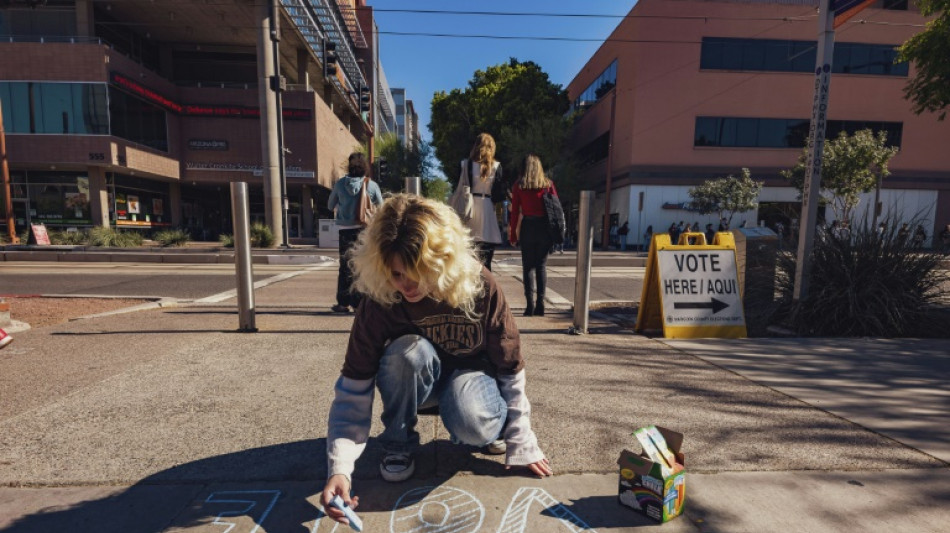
<point>491,339</point>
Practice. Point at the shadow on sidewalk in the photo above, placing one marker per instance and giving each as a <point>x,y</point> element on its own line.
<point>280,484</point>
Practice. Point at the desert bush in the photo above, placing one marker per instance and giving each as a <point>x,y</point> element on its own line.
<point>72,238</point>
<point>111,237</point>
<point>226,240</point>
<point>171,237</point>
<point>261,236</point>
<point>871,284</point>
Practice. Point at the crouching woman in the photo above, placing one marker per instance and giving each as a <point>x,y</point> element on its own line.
<point>433,329</point>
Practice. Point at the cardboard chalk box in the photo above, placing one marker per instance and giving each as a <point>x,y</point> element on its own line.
<point>649,486</point>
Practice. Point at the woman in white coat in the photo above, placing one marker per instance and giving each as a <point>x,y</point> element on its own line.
<point>481,172</point>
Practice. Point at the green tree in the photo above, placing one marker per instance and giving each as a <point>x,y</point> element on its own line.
<point>403,161</point>
<point>851,165</point>
<point>929,89</point>
<point>509,95</point>
<point>727,195</point>
<point>546,137</point>
<point>437,189</point>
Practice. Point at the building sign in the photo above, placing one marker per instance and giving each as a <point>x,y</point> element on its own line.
<point>143,92</point>
<point>692,291</point>
<point>221,167</point>
<point>208,144</point>
<point>681,206</point>
<point>195,110</point>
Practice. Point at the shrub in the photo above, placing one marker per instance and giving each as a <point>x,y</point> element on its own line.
<point>871,284</point>
<point>172,237</point>
<point>68,237</point>
<point>261,236</point>
<point>110,237</point>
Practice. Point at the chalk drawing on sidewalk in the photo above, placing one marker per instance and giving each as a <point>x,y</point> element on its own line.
<point>437,510</point>
<point>516,516</point>
<point>250,500</point>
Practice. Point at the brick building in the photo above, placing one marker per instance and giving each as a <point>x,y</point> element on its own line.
<point>688,90</point>
<point>139,114</point>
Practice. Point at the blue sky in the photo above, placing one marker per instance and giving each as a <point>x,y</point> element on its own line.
<point>424,65</point>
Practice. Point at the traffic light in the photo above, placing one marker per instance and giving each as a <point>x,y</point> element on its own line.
<point>329,58</point>
<point>364,98</point>
<point>383,167</point>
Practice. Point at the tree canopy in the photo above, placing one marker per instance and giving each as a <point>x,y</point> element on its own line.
<point>510,95</point>
<point>404,161</point>
<point>851,165</point>
<point>929,50</point>
<point>727,195</point>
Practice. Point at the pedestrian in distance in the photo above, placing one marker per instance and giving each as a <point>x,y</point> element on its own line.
<point>920,235</point>
<point>483,173</point>
<point>528,226</point>
<point>433,329</point>
<point>345,198</point>
<point>614,234</point>
<point>647,238</point>
<point>945,239</point>
<point>623,232</point>
<point>5,339</point>
<point>903,233</point>
<point>674,233</point>
<point>710,233</point>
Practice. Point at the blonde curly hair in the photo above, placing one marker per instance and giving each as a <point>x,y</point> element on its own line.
<point>433,244</point>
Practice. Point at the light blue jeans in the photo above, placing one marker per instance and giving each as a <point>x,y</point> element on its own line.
<point>410,377</point>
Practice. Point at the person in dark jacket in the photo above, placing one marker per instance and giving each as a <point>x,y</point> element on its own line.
<point>528,227</point>
<point>345,198</point>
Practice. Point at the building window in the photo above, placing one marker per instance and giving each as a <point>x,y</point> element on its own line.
<point>137,120</point>
<point>739,132</point>
<point>54,108</point>
<point>770,55</point>
<point>595,151</point>
<point>600,86</point>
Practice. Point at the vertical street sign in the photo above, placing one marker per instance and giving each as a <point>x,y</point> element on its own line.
<point>831,14</point>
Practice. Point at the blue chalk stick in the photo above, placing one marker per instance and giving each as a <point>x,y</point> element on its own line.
<point>355,522</point>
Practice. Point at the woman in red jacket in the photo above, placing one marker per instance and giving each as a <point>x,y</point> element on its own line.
<point>531,231</point>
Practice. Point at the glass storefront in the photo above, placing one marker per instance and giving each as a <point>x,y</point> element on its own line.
<point>62,200</point>
<point>57,199</point>
<point>138,203</point>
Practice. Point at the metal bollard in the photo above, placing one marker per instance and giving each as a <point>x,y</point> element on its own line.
<point>585,245</point>
<point>242,257</point>
<point>413,185</point>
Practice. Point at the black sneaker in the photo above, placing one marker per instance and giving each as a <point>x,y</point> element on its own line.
<point>340,308</point>
<point>396,467</point>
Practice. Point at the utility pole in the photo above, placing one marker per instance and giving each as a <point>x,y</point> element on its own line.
<point>811,187</point>
<point>7,194</point>
<point>277,85</point>
<point>605,238</point>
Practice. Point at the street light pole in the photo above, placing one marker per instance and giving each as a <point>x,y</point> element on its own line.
<point>276,86</point>
<point>5,171</point>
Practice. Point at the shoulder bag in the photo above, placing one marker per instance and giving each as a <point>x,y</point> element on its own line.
<point>555,216</point>
<point>365,209</point>
<point>461,200</point>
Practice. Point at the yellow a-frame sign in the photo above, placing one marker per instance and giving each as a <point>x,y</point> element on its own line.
<point>692,290</point>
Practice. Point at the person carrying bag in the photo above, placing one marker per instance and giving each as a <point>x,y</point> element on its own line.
<point>485,183</point>
<point>536,223</point>
<point>355,198</point>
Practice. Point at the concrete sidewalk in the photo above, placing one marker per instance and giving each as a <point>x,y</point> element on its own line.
<point>169,420</point>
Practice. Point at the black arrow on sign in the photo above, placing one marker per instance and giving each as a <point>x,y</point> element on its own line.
<point>713,304</point>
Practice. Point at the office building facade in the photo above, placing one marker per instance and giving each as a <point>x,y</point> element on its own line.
<point>685,91</point>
